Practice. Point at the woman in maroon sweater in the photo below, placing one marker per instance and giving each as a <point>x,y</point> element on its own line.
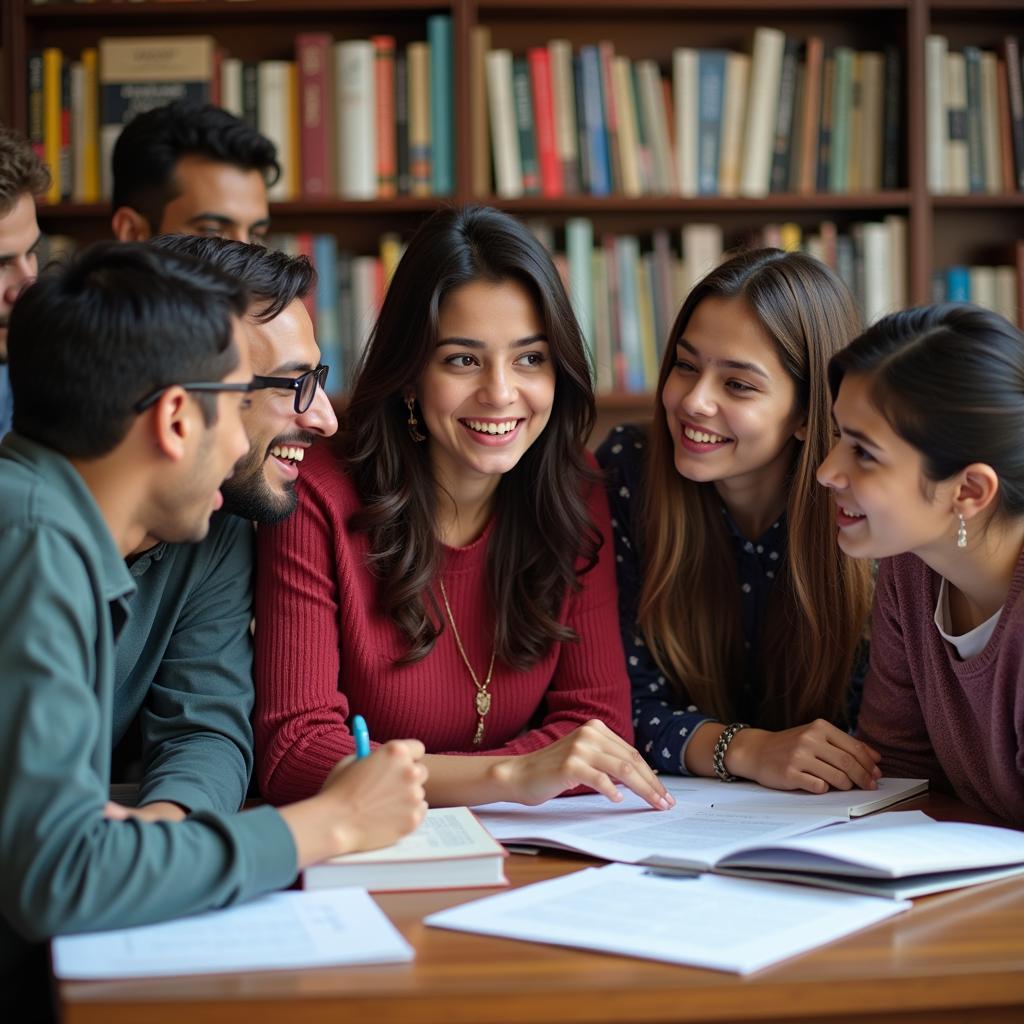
<point>448,570</point>
<point>928,475</point>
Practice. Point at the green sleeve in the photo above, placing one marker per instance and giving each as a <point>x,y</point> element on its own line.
<point>196,734</point>
<point>66,867</point>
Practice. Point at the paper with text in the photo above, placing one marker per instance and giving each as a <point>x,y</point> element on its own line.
<point>727,924</point>
<point>283,930</point>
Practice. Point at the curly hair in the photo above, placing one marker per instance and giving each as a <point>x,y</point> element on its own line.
<point>21,171</point>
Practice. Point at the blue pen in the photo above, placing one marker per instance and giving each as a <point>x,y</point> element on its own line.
<point>362,736</point>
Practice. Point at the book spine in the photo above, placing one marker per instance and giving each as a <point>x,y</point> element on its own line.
<point>1008,175</point>
<point>782,141</point>
<point>328,334</point>
<point>419,118</point>
<point>688,88</point>
<point>544,119</point>
<point>1011,54</point>
<point>52,61</point>
<point>629,143</point>
<point>644,269</point>
<point>403,177</point>
<point>606,57</point>
<point>842,100</point>
<point>655,118</point>
<point>442,92</point>
<point>522,96</point>
<point>387,157</point>
<point>627,256</point>
<point>231,86</point>
<point>313,54</point>
<point>579,247</point>
<point>936,116</point>
<point>737,77</point>
<point>67,165</point>
<point>762,105</point>
<point>828,77</point>
<point>872,119</point>
<point>508,172</point>
<point>892,118</point>
<point>563,88</point>
<point>603,356</point>
<point>480,153</point>
<point>251,94</point>
<point>958,284</point>
<point>711,92</point>
<point>990,125</point>
<point>356,96</point>
<point>810,119</point>
<point>855,121</point>
<point>90,192</point>
<point>975,140</point>
<point>274,113</point>
<point>593,119</point>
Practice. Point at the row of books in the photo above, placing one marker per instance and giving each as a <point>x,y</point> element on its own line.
<point>626,289</point>
<point>787,117</point>
<point>995,288</point>
<point>975,117</point>
<point>358,118</point>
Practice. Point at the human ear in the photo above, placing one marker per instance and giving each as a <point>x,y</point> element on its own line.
<point>170,424</point>
<point>977,489</point>
<point>801,431</point>
<point>129,225</point>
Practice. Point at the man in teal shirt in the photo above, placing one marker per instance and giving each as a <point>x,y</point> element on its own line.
<point>134,441</point>
<point>184,659</point>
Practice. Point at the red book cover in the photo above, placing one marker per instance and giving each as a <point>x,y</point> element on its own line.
<point>219,53</point>
<point>313,57</point>
<point>551,183</point>
<point>387,157</point>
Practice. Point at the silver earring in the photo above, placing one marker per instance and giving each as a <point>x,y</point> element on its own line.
<point>412,423</point>
<point>961,532</point>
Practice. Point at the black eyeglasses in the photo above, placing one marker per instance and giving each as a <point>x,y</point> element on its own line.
<point>201,385</point>
<point>304,385</point>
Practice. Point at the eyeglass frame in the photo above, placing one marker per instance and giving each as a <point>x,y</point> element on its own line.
<point>295,384</point>
<point>207,386</point>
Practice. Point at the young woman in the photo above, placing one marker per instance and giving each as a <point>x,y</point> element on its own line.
<point>740,616</point>
<point>448,572</point>
<point>928,475</point>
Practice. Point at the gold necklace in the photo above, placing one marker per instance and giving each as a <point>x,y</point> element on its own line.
<point>483,697</point>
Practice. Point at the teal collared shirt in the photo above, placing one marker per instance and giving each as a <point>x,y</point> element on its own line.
<point>184,667</point>
<point>64,867</point>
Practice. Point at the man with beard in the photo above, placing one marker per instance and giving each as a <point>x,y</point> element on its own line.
<point>184,660</point>
<point>22,178</point>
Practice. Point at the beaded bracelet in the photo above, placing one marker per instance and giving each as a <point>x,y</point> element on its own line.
<point>721,746</point>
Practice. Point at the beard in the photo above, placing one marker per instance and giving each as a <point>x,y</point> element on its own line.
<point>247,493</point>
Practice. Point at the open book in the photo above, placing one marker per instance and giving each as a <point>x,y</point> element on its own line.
<point>450,850</point>
<point>899,855</point>
<point>685,837</point>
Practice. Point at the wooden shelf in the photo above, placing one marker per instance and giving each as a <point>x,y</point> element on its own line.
<point>175,14</point>
<point>979,201</point>
<point>708,204</point>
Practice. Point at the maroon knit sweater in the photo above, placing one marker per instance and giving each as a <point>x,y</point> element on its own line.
<point>324,651</point>
<point>929,714</point>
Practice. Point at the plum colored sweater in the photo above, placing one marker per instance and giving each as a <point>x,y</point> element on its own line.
<point>325,651</point>
<point>931,715</point>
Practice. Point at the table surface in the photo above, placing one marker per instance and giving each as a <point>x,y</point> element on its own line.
<point>954,956</point>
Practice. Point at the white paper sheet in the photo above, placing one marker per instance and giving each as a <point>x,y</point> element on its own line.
<point>632,833</point>
<point>727,924</point>
<point>282,930</point>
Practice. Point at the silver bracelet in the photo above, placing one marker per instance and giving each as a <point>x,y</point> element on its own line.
<point>721,746</point>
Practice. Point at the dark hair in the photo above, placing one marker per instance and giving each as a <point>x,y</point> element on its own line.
<point>542,529</point>
<point>270,276</point>
<point>949,379</point>
<point>821,597</point>
<point>151,144</point>
<point>91,338</point>
<point>20,170</point>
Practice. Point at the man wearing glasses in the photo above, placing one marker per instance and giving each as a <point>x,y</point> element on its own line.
<point>184,660</point>
<point>131,375</point>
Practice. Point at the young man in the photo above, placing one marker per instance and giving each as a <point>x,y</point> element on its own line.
<point>22,178</point>
<point>133,441</point>
<point>190,169</point>
<point>184,659</point>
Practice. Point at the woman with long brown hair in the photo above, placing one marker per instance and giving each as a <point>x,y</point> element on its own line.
<point>741,617</point>
<point>448,573</point>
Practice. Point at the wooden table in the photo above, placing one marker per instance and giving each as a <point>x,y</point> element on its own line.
<point>954,957</point>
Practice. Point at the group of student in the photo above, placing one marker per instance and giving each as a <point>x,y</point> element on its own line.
<point>453,565</point>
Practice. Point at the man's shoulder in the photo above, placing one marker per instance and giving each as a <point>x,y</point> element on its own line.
<point>228,543</point>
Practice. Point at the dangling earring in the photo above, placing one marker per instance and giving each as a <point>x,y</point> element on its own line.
<point>412,423</point>
<point>961,532</point>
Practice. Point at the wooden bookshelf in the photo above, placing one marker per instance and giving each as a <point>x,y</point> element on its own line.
<point>940,229</point>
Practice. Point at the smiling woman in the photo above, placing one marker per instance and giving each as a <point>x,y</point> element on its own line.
<point>736,604</point>
<point>448,572</point>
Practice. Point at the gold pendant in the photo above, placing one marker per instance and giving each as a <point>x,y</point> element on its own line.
<point>483,703</point>
<point>478,736</point>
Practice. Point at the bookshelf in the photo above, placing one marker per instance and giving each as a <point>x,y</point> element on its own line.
<point>941,229</point>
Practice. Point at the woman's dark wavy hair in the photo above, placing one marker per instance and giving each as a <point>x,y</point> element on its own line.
<point>949,379</point>
<point>543,537</point>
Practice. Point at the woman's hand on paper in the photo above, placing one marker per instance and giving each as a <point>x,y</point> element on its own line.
<point>813,757</point>
<point>591,755</point>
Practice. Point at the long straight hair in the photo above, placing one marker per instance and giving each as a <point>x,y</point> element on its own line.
<point>689,610</point>
<point>542,535</point>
